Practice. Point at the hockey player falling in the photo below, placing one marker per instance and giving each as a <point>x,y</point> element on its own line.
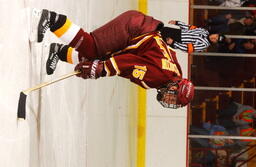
<point>129,46</point>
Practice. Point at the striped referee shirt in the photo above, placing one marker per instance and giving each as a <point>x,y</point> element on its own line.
<point>193,39</point>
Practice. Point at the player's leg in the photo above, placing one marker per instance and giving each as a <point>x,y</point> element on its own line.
<point>63,53</point>
<point>56,23</point>
<point>68,32</point>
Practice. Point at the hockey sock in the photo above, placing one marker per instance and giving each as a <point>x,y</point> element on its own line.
<point>68,54</point>
<point>56,21</point>
<point>62,27</point>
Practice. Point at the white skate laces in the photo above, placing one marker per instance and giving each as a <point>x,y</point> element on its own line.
<point>53,58</point>
<point>43,25</point>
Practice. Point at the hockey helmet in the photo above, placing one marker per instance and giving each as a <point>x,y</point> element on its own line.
<point>176,94</point>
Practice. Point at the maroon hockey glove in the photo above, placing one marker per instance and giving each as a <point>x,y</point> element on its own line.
<point>89,69</point>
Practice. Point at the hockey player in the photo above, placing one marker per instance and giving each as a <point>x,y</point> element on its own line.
<point>128,46</point>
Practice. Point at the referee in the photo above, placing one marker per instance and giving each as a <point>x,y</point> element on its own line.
<point>189,38</point>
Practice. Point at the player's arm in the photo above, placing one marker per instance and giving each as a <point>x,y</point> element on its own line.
<point>90,69</point>
<point>125,65</point>
<point>128,66</point>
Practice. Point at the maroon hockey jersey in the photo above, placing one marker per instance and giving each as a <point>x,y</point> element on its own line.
<point>117,34</point>
<point>147,61</point>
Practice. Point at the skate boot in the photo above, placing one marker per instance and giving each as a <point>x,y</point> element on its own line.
<point>53,58</point>
<point>40,22</point>
<point>43,25</point>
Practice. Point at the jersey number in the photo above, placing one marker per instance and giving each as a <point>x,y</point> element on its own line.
<point>139,72</point>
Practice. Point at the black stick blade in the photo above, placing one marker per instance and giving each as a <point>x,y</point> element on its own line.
<point>22,106</point>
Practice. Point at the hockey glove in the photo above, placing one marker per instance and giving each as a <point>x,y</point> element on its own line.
<point>90,69</point>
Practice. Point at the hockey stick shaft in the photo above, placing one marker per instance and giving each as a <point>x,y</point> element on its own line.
<point>24,93</point>
<point>50,82</point>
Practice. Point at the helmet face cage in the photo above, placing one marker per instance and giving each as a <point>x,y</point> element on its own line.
<point>164,91</point>
<point>172,106</point>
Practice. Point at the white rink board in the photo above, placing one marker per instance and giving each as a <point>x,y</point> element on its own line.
<point>167,128</point>
<point>75,122</point>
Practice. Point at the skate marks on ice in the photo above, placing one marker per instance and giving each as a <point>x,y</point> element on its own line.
<point>14,67</point>
<point>29,30</point>
<point>23,94</point>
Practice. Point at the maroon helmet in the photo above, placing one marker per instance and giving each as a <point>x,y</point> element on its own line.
<point>176,94</point>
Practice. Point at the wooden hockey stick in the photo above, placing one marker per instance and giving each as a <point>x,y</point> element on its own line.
<point>24,93</point>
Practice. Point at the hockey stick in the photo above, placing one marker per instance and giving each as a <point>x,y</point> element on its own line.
<point>24,93</point>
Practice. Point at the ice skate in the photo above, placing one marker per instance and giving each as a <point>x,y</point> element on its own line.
<point>40,22</point>
<point>53,58</point>
<point>43,25</point>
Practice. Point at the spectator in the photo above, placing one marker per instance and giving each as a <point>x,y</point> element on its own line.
<point>245,115</point>
<point>246,131</point>
<point>237,46</point>
<point>228,25</point>
<point>236,116</point>
<point>206,158</point>
<point>210,129</point>
<point>248,46</point>
<point>214,153</point>
<point>250,3</point>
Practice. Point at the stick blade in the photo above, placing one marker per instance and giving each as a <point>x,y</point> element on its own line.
<point>22,106</point>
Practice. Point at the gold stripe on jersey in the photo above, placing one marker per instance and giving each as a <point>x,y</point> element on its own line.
<point>133,46</point>
<point>113,62</point>
<point>145,85</point>
<point>69,55</point>
<point>165,51</point>
<point>138,43</point>
<point>63,29</point>
<point>139,36</point>
<point>170,48</point>
<point>106,69</point>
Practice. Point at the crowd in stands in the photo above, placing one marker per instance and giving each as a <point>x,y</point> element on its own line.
<point>234,120</point>
<point>234,23</point>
